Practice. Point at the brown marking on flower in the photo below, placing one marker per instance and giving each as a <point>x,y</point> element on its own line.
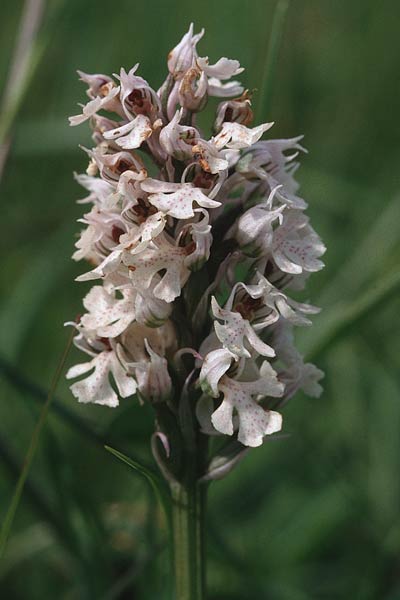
<point>106,342</point>
<point>191,247</point>
<point>269,268</point>
<point>122,166</point>
<point>116,233</point>
<point>131,268</point>
<point>143,209</point>
<point>199,156</point>
<point>248,307</point>
<point>187,86</point>
<point>239,110</point>
<point>139,103</point>
<point>204,179</point>
<point>189,137</point>
<point>105,88</point>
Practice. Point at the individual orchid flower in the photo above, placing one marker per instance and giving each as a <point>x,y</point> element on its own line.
<point>181,58</point>
<point>217,89</point>
<point>105,101</point>
<point>176,199</point>
<point>210,158</point>
<point>224,68</point>
<point>99,190</point>
<point>142,351</point>
<point>254,229</point>
<point>295,373</point>
<point>132,134</point>
<point>112,166</point>
<point>263,304</point>
<point>237,136</point>
<point>254,422</point>
<point>295,245</point>
<point>237,110</point>
<point>134,241</point>
<point>96,387</point>
<point>153,379</point>
<point>192,91</point>
<point>160,256</point>
<point>137,97</point>
<point>267,162</point>
<point>108,316</point>
<point>178,140</point>
<point>103,230</point>
<point>236,333</point>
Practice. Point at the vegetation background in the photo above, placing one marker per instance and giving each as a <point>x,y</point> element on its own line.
<point>314,515</point>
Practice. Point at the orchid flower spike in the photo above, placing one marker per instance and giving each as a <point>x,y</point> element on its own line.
<point>194,242</point>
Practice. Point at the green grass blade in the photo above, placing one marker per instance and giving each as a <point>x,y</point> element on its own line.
<point>9,518</point>
<point>26,298</point>
<point>266,88</point>
<point>22,383</point>
<point>28,55</point>
<point>370,256</point>
<point>151,476</point>
<point>342,318</point>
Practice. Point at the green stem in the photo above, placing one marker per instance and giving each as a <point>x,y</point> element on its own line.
<point>188,508</point>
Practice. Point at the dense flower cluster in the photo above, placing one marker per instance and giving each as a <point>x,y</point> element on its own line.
<point>194,244</point>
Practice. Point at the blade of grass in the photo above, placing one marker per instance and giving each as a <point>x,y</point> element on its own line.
<point>342,318</point>
<point>26,386</point>
<point>35,495</point>
<point>23,65</point>
<point>29,50</point>
<point>25,546</point>
<point>122,584</point>
<point>8,521</point>
<point>271,60</point>
<point>370,256</point>
<point>153,479</point>
<point>26,298</point>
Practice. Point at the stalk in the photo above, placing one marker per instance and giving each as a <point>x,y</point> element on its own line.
<point>188,511</point>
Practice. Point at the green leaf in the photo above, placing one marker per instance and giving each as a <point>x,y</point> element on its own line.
<point>9,518</point>
<point>157,484</point>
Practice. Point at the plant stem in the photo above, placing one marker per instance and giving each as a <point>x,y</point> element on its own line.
<point>188,508</point>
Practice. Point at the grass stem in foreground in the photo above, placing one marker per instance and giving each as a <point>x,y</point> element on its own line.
<point>9,518</point>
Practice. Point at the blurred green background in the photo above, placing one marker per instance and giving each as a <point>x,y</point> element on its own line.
<point>314,515</point>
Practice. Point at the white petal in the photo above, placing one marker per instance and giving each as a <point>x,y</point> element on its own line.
<point>125,383</point>
<point>235,135</point>
<point>179,204</point>
<point>224,68</point>
<point>224,90</point>
<point>254,421</point>
<point>137,132</point>
<point>94,106</point>
<point>222,418</point>
<point>96,387</point>
<point>215,364</point>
